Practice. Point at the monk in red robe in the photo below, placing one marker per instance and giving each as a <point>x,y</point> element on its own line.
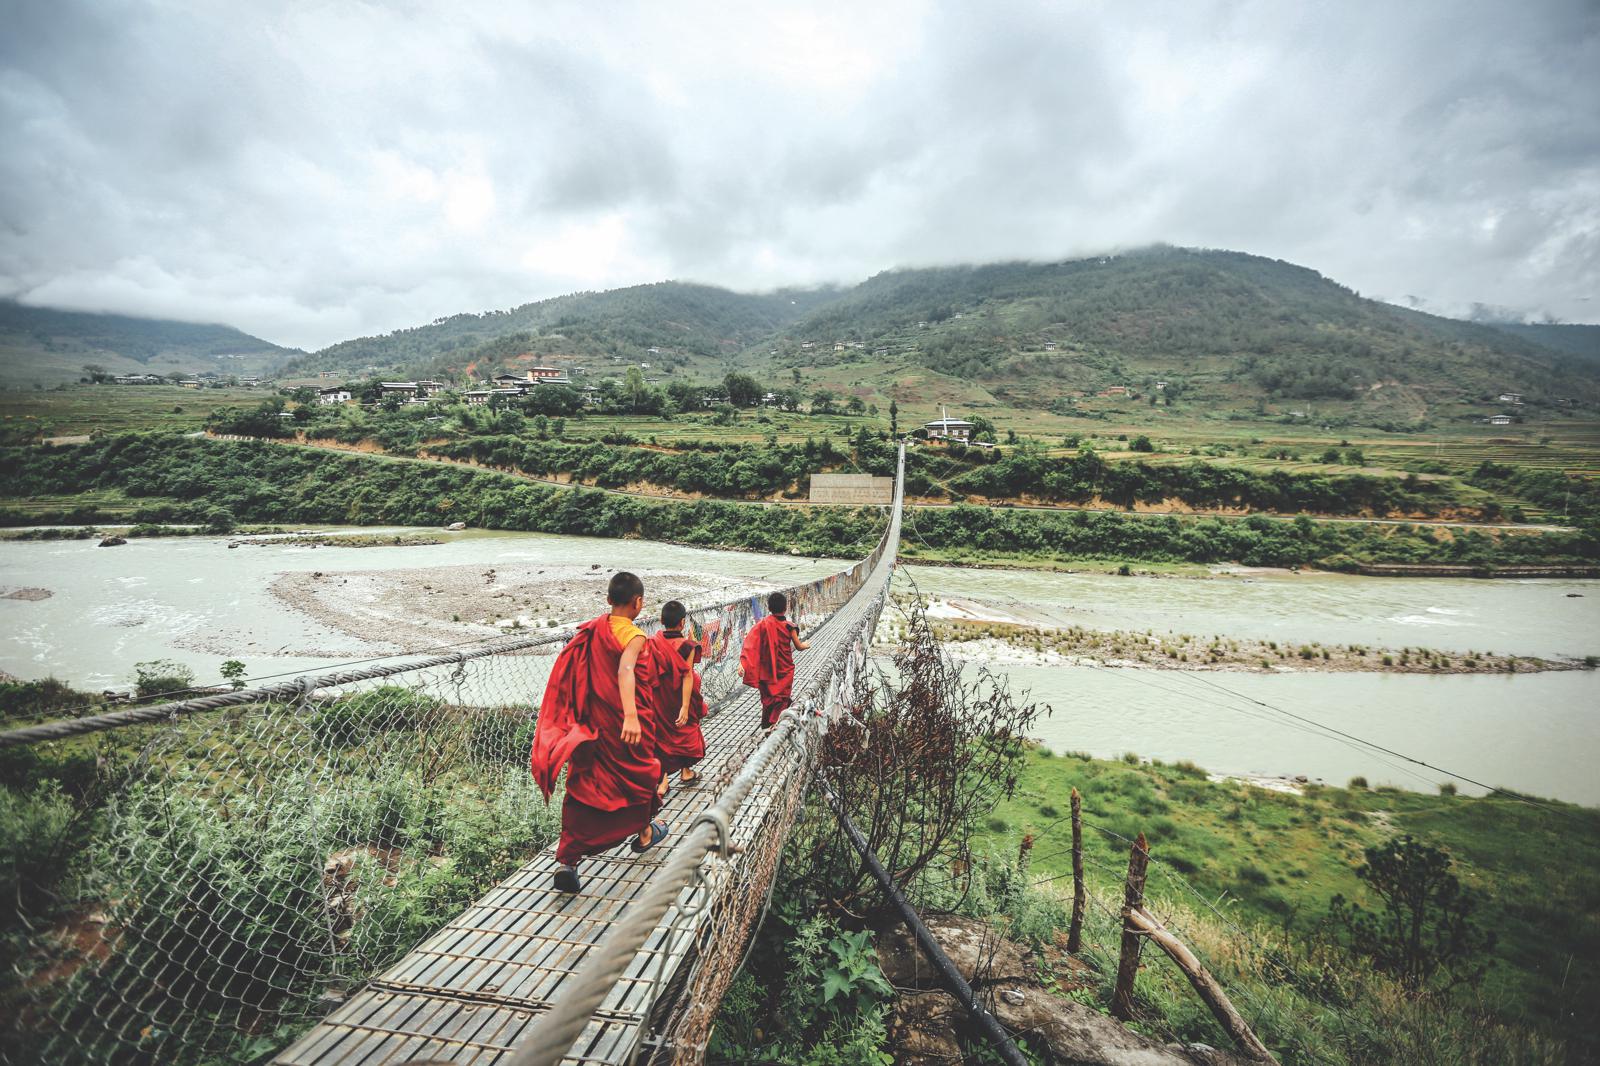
<point>597,720</point>
<point>767,659</point>
<point>678,702</point>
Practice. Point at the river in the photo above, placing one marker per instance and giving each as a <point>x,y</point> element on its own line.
<point>1538,733</point>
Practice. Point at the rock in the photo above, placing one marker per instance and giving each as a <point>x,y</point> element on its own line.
<point>112,542</point>
<point>233,544</point>
<point>977,951</point>
<point>1079,1034</point>
<point>456,526</point>
<point>923,1029</point>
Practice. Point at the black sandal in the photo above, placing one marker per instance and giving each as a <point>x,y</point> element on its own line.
<point>566,880</point>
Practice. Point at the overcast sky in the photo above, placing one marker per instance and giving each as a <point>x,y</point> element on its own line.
<point>315,171</point>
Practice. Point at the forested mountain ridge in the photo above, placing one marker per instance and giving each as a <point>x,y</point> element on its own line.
<point>1579,340</point>
<point>1239,326</point>
<point>49,346</point>
<point>693,325</point>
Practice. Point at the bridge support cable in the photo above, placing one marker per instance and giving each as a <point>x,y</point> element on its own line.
<point>949,975</point>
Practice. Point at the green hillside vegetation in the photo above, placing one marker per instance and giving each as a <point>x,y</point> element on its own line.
<point>551,434</point>
<point>1216,326</point>
<point>1228,335</point>
<point>1580,340</point>
<point>1272,860</point>
<point>219,484</point>
<point>48,346</point>
<point>694,325</point>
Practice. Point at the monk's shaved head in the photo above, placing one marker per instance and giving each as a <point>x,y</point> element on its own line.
<point>777,603</point>
<point>672,613</point>
<point>625,588</point>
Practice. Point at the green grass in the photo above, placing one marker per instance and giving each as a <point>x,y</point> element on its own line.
<point>78,409</point>
<point>1279,859</point>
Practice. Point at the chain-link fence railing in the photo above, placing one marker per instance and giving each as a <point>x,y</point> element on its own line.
<point>258,854</point>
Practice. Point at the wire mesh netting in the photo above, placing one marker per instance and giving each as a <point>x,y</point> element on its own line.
<point>249,865</point>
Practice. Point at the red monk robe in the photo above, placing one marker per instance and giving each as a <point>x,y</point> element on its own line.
<point>673,656</point>
<point>767,659</point>
<point>611,786</point>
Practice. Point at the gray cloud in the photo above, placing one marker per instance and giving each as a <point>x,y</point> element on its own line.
<point>313,172</point>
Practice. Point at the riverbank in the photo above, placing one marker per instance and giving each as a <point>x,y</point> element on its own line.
<point>419,607</point>
<point>979,631</point>
<point>1273,860</point>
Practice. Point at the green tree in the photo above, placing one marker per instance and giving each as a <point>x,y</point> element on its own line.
<point>634,384</point>
<point>856,405</point>
<point>1421,929</point>
<point>822,402</point>
<point>894,419</point>
<point>743,390</point>
<point>233,673</point>
<point>1141,443</point>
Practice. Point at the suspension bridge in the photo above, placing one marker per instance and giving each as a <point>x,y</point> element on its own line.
<point>267,859</point>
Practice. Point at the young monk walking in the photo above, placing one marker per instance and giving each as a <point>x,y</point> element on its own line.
<point>767,659</point>
<point>597,720</point>
<point>678,702</point>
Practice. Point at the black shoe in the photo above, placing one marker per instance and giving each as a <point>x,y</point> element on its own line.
<point>566,880</point>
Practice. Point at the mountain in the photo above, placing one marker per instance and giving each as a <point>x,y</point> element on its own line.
<point>47,346</point>
<point>1220,327</point>
<point>696,327</point>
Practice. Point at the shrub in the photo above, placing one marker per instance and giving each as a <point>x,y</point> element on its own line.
<point>159,676</point>
<point>32,825</point>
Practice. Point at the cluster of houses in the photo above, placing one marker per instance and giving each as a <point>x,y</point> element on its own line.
<point>199,381</point>
<point>502,387</point>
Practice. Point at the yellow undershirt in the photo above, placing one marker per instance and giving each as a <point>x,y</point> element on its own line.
<point>624,630</point>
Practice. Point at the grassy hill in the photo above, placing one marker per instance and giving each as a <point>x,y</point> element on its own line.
<point>1223,329</point>
<point>698,328</point>
<point>48,346</point>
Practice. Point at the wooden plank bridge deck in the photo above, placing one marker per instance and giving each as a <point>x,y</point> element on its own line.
<point>468,993</point>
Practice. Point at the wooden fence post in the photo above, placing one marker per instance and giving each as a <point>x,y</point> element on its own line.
<point>1075,930</point>
<point>1204,984</point>
<point>1132,935</point>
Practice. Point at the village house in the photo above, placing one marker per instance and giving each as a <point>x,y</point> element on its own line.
<point>950,429</point>
<point>880,351</point>
<point>333,394</point>
<point>1499,420</point>
<point>190,383</point>
<point>1511,398</point>
<point>1049,346</point>
<point>137,379</point>
<point>476,397</point>
<point>542,373</point>
<point>509,381</point>
<point>838,346</point>
<point>398,390</point>
<point>1161,386</point>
